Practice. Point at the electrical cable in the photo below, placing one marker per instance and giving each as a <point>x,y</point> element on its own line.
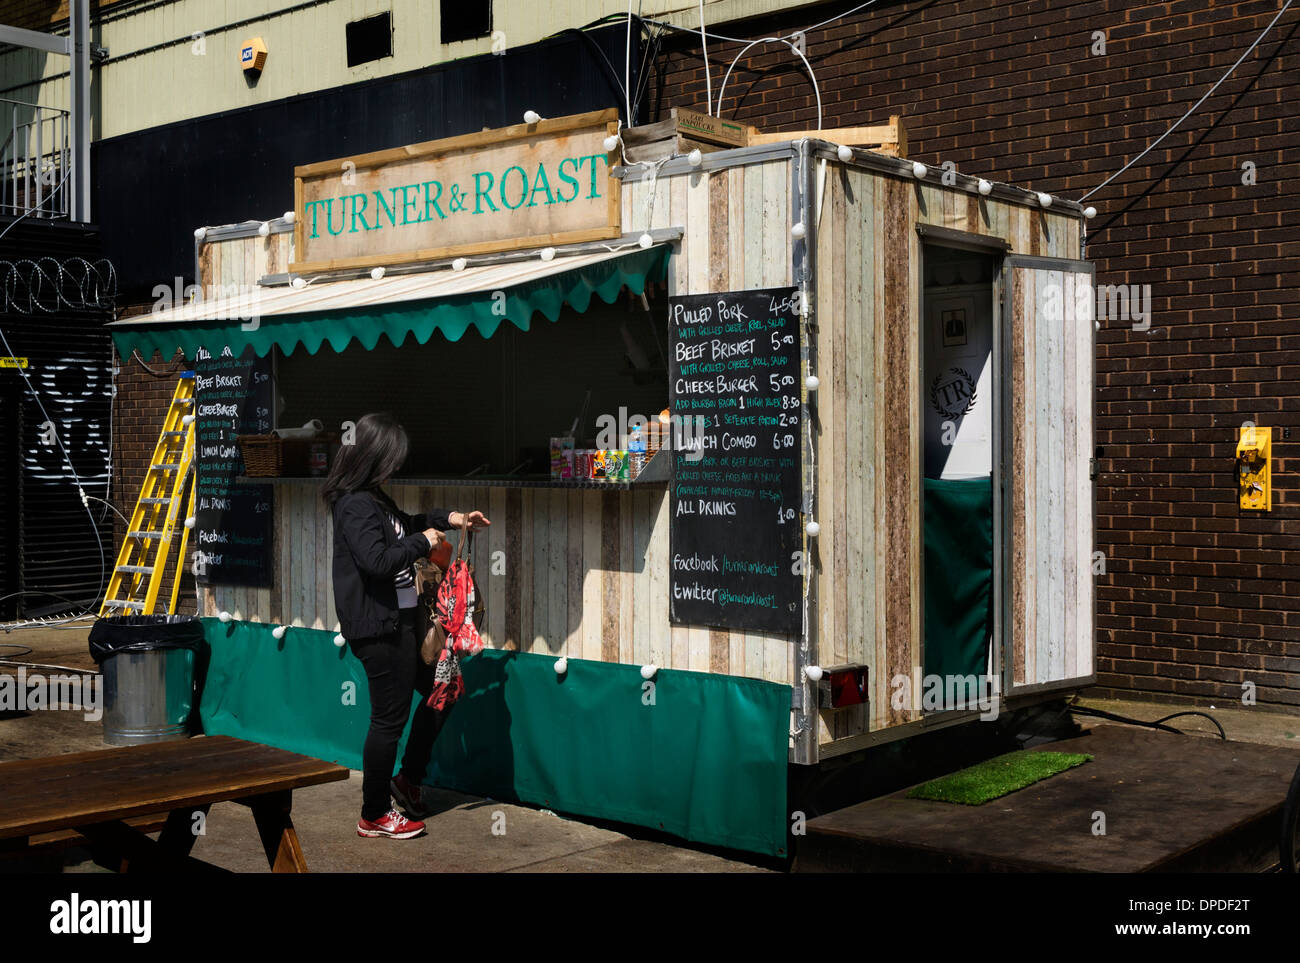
<point>789,36</point>
<point>627,66</point>
<point>1222,735</point>
<point>1157,724</point>
<point>797,52</point>
<point>704,47</point>
<point>1150,147</point>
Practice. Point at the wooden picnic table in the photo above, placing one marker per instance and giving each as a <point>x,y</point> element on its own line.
<point>107,796</point>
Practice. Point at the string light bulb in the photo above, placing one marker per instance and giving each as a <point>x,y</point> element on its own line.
<point>813,529</point>
<point>376,273</point>
<point>648,671</point>
<point>695,158</point>
<point>984,187</point>
<point>813,672</point>
<point>561,665</point>
<point>797,231</point>
<point>611,143</point>
<point>812,382</point>
<point>278,632</point>
<point>548,254</point>
<point>845,153</point>
<point>1090,212</point>
<point>459,264</point>
<point>339,641</point>
<point>1044,200</point>
<point>224,616</point>
<point>189,522</point>
<point>919,170</point>
<point>264,229</point>
<point>288,217</point>
<point>645,240</point>
<point>299,283</point>
<point>531,116</point>
<point>200,233</point>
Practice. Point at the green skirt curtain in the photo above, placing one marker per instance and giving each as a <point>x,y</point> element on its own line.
<point>958,575</point>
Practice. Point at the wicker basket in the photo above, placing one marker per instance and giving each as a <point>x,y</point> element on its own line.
<point>263,455</point>
<point>270,456</point>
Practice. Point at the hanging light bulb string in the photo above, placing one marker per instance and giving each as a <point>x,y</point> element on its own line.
<point>1191,110</point>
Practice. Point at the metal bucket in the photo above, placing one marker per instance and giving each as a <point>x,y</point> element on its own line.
<point>148,696</point>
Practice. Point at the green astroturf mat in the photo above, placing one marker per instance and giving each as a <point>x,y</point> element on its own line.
<point>997,777</point>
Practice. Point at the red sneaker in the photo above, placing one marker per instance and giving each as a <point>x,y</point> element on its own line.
<point>408,796</point>
<point>392,824</point>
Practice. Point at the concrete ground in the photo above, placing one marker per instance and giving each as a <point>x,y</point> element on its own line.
<point>461,836</point>
<point>465,834</point>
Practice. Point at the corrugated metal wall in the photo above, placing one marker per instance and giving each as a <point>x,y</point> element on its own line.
<point>48,547</point>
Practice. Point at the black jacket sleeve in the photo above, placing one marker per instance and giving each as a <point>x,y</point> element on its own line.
<point>361,522</point>
<point>435,518</point>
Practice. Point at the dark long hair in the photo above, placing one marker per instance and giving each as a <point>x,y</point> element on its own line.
<point>379,449</point>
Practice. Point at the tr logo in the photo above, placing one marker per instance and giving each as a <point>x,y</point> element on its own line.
<point>952,393</point>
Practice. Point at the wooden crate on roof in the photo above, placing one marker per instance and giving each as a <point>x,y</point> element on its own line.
<point>680,133</point>
<point>888,138</point>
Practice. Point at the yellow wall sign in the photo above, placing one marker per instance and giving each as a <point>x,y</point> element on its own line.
<point>1254,472</point>
<point>13,362</point>
<point>530,185</point>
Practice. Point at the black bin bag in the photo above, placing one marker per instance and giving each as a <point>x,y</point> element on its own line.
<point>144,633</point>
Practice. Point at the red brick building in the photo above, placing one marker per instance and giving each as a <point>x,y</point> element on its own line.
<point>1199,597</point>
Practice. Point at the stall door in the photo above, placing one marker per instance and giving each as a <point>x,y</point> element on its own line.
<point>1047,451</point>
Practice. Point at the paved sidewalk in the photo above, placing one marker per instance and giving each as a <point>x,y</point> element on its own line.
<point>466,833</point>
<point>1262,725</point>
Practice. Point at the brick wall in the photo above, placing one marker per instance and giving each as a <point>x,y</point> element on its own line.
<point>1198,596</point>
<point>142,402</point>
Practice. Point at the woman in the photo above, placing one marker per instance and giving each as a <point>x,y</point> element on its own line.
<point>375,548</point>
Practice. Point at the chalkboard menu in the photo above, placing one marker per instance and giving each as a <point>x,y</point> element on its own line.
<point>233,521</point>
<point>736,488</point>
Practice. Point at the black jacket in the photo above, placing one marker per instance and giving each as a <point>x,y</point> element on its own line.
<point>367,557</point>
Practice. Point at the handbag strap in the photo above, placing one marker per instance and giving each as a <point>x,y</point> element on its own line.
<point>465,536</point>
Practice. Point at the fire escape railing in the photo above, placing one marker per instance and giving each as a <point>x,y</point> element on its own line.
<point>35,160</point>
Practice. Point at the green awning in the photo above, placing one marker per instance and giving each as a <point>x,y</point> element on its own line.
<point>393,306</point>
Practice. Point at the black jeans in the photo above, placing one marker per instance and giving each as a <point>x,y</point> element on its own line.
<point>395,671</point>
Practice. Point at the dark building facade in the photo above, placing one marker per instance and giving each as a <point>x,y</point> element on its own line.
<point>55,552</point>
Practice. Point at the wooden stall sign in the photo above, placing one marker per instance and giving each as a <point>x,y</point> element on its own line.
<point>232,521</point>
<point>529,185</point>
<point>735,528</point>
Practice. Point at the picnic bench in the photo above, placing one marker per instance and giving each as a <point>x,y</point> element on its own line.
<point>111,798</point>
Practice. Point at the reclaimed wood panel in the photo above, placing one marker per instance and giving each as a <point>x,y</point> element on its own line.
<point>1082,389</point>
<point>1051,523</point>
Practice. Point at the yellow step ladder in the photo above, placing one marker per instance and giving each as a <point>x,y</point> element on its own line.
<point>146,549</point>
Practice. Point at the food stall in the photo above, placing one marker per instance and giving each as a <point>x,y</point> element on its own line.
<point>852,354</point>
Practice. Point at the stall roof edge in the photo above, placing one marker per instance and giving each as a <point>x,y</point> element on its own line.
<point>331,294</point>
<point>863,158</point>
